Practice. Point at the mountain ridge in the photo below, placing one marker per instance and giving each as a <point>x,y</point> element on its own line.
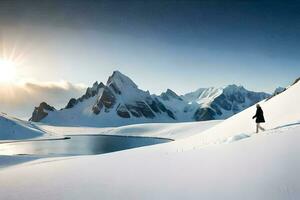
<point>121,102</point>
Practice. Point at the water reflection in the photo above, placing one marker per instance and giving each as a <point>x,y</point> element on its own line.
<point>78,145</point>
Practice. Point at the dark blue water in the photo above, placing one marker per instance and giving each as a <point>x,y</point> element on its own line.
<point>78,145</point>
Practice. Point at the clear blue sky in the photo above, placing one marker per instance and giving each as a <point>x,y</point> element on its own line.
<point>182,45</point>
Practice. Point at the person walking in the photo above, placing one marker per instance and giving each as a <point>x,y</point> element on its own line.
<point>259,118</point>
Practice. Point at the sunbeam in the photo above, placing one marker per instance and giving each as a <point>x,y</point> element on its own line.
<point>11,59</point>
<point>7,71</point>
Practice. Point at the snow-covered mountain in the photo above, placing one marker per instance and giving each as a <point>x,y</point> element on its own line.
<point>279,90</point>
<point>121,102</point>
<point>13,129</point>
<point>211,103</point>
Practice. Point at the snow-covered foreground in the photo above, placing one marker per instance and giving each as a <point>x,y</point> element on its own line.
<point>226,161</point>
<point>263,166</point>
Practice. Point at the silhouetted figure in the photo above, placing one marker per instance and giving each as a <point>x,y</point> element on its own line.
<point>259,118</point>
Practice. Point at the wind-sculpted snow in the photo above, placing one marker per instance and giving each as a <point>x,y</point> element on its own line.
<point>15,129</point>
<point>236,138</point>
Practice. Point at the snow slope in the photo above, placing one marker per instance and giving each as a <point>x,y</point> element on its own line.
<point>262,167</point>
<point>280,110</point>
<point>16,129</point>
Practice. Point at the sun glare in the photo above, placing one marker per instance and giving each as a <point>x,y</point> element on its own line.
<point>7,71</point>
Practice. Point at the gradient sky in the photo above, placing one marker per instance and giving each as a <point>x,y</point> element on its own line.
<point>182,45</point>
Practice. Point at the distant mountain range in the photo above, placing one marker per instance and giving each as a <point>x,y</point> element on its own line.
<point>121,102</point>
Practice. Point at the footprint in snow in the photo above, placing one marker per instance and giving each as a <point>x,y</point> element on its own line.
<point>237,137</point>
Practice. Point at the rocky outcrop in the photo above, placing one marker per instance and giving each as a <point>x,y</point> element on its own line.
<point>204,114</point>
<point>133,101</point>
<point>71,103</point>
<point>144,109</point>
<point>221,101</point>
<point>40,112</point>
<point>122,111</point>
<point>279,90</point>
<point>106,100</point>
<point>90,92</point>
<point>169,94</point>
<point>296,81</point>
<point>163,108</point>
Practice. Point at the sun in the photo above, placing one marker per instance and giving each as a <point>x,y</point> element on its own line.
<point>7,71</point>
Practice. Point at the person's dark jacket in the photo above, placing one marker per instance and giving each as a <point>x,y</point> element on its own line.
<point>259,116</point>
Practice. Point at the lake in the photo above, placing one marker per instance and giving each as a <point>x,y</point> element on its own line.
<point>78,145</point>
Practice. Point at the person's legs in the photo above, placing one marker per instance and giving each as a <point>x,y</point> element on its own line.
<point>259,127</point>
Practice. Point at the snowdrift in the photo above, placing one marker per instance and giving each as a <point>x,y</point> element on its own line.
<point>16,129</point>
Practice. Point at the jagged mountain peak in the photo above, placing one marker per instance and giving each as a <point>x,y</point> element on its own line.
<point>191,96</point>
<point>202,95</point>
<point>121,102</point>
<point>278,90</point>
<point>213,92</point>
<point>46,106</point>
<point>90,92</point>
<point>234,87</point>
<point>120,81</point>
<point>123,97</point>
<point>194,94</point>
<point>170,94</point>
<point>41,112</point>
<point>95,84</point>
